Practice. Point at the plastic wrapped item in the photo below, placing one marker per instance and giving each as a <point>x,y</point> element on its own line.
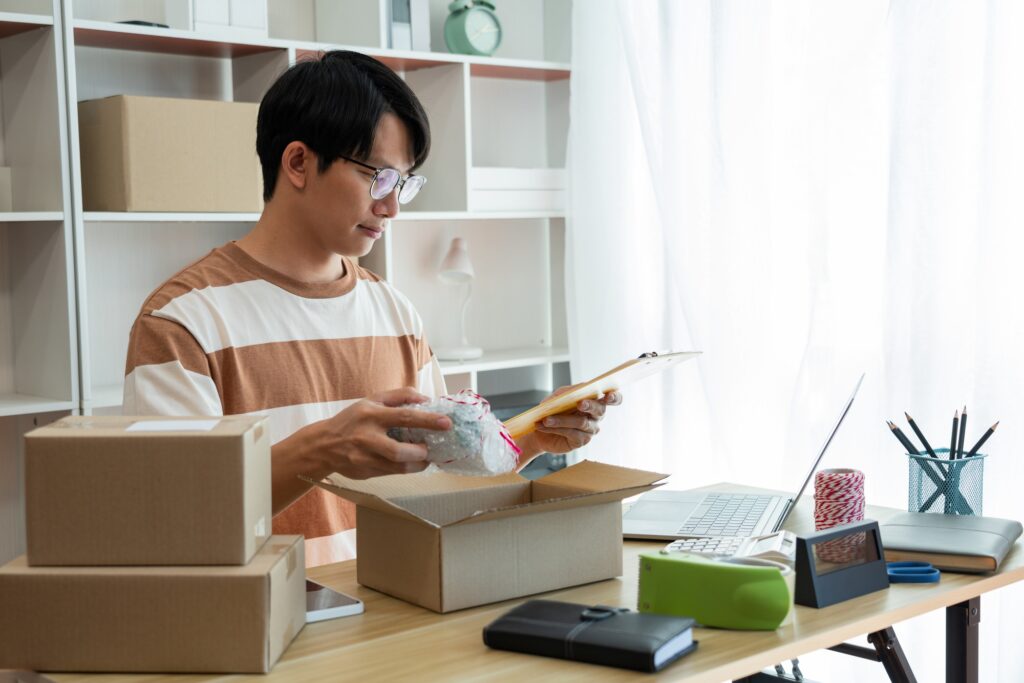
<point>477,444</point>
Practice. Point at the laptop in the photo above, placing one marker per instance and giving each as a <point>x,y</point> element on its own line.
<point>664,515</point>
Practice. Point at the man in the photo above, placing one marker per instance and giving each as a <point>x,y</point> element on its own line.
<point>283,323</point>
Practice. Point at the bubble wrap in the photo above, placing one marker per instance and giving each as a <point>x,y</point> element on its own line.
<point>477,444</point>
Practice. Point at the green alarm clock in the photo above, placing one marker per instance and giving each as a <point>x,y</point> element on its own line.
<point>472,28</point>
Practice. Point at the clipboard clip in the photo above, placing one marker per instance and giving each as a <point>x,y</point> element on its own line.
<point>649,354</point>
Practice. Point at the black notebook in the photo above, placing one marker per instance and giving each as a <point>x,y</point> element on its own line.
<point>611,636</point>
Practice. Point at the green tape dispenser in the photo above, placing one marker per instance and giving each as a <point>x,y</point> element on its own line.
<point>742,593</point>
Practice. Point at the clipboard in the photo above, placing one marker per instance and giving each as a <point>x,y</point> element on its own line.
<point>630,371</point>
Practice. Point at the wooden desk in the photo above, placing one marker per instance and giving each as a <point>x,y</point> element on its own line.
<point>394,640</point>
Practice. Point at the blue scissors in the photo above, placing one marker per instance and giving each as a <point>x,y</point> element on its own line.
<point>912,572</point>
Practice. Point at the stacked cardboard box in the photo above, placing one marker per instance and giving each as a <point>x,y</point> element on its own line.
<point>149,550</point>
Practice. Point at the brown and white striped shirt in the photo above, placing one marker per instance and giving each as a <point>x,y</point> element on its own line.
<point>229,336</point>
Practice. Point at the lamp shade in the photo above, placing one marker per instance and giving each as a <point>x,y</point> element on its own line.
<point>456,268</point>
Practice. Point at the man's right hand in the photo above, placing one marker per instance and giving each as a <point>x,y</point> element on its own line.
<point>355,442</point>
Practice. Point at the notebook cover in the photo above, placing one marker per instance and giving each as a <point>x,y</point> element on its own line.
<point>628,640</point>
<point>964,543</point>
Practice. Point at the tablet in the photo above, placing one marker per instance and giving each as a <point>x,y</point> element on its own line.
<point>630,371</point>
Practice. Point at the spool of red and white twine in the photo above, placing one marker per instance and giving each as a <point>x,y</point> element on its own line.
<point>839,499</point>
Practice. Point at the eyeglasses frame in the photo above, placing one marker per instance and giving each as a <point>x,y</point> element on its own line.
<point>376,173</point>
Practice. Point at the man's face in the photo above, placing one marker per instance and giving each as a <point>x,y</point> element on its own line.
<point>338,207</point>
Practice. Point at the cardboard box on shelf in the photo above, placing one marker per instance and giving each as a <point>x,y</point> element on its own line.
<point>447,542</point>
<point>168,154</point>
<point>116,490</point>
<point>516,189</point>
<point>154,619</point>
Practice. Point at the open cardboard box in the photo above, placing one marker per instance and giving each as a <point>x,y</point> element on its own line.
<point>447,542</point>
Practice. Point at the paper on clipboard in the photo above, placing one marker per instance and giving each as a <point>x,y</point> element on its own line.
<point>630,371</point>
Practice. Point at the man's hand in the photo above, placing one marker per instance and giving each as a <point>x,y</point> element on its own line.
<point>569,430</point>
<point>355,442</point>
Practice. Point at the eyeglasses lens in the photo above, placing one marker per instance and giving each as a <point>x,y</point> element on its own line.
<point>412,186</point>
<point>384,183</point>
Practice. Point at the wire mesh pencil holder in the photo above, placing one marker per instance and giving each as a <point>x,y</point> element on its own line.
<point>950,487</point>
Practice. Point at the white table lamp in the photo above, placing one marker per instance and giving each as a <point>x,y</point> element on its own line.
<point>457,269</point>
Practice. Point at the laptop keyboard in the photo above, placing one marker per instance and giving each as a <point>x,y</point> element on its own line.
<point>726,515</point>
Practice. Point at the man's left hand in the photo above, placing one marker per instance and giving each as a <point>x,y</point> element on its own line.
<point>569,430</point>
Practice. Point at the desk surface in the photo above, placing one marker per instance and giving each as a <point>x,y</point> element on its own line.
<point>394,640</point>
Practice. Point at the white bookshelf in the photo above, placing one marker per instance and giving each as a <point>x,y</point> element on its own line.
<point>38,338</point>
<point>72,281</point>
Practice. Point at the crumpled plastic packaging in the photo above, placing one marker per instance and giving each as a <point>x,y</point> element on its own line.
<point>477,444</point>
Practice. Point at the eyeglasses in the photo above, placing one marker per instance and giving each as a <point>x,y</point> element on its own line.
<point>385,180</point>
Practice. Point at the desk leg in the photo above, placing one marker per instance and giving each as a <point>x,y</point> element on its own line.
<point>962,641</point>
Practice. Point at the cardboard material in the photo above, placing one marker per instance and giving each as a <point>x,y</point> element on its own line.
<point>447,542</point>
<point>99,491</point>
<point>167,619</point>
<point>167,154</point>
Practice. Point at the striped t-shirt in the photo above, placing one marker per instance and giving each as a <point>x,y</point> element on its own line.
<point>230,336</point>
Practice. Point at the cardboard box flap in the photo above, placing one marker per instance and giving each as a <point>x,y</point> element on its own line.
<point>580,500</point>
<point>396,486</point>
<point>595,476</point>
<point>452,506</point>
<point>368,500</point>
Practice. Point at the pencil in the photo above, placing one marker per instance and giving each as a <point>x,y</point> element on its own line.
<point>982,440</point>
<point>952,438</point>
<point>903,438</point>
<point>927,446</point>
<point>963,433</point>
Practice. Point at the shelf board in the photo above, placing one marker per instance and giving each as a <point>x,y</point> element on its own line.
<point>507,358</point>
<point>112,35</point>
<point>214,217</point>
<point>13,23</point>
<point>168,217</point>
<point>30,216</point>
<point>173,41</point>
<point>107,396</point>
<point>24,404</point>
<point>476,215</point>
<point>486,67</point>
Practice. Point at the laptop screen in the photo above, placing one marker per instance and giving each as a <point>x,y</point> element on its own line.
<point>817,460</point>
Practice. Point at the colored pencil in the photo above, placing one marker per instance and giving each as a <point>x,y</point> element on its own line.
<point>924,441</point>
<point>952,438</point>
<point>982,440</point>
<point>963,433</point>
<point>898,433</point>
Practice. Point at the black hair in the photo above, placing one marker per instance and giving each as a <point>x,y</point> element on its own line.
<point>333,104</point>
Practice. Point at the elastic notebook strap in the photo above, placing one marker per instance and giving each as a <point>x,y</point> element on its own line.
<point>589,616</point>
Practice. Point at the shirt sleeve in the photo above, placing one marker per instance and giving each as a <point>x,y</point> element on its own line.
<point>431,379</point>
<point>167,372</point>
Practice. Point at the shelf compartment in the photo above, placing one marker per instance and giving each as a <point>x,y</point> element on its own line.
<point>32,135</point>
<point>37,372</point>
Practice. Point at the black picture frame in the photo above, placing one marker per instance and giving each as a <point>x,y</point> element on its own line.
<point>820,586</point>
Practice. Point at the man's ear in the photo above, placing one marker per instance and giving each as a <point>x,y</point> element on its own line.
<point>297,163</point>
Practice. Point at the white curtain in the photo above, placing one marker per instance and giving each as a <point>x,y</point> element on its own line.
<point>805,191</point>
